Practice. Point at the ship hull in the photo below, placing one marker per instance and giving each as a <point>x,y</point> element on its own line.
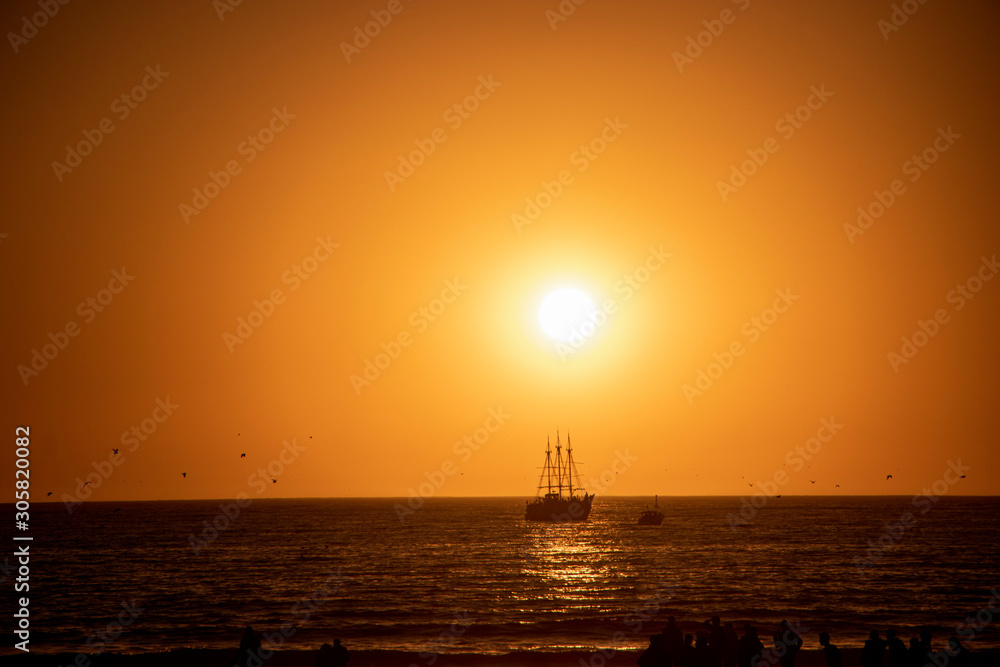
<point>559,510</point>
<point>651,518</point>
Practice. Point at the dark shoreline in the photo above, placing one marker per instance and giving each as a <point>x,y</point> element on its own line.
<point>808,657</point>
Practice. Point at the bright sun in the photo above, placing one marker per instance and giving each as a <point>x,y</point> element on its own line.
<point>563,312</point>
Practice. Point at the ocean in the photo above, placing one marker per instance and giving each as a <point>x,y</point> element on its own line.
<point>470,575</point>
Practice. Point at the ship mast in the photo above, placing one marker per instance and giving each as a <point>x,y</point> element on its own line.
<point>547,469</point>
<point>569,463</point>
<point>559,464</point>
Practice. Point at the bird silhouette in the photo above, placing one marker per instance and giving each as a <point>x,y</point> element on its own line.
<point>243,456</point>
<point>812,481</point>
<point>961,476</point>
<point>274,481</point>
<point>184,474</point>
<point>749,483</point>
<point>114,449</point>
<point>837,485</point>
<point>888,476</point>
<point>48,494</point>
<point>86,483</point>
<point>778,496</point>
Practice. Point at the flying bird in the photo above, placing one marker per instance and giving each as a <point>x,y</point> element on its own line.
<point>812,481</point>
<point>888,476</point>
<point>86,483</point>
<point>48,494</point>
<point>184,474</point>
<point>961,476</point>
<point>114,449</point>
<point>837,485</point>
<point>749,483</point>
<point>778,496</point>
<point>243,456</point>
<point>274,481</point>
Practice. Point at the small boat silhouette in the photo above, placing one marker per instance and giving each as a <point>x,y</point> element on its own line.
<point>653,517</point>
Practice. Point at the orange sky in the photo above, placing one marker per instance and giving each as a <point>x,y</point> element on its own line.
<point>605,110</point>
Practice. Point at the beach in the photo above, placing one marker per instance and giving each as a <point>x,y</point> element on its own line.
<point>292,658</point>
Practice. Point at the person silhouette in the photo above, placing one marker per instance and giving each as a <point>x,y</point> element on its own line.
<point>832,653</point>
<point>915,655</point>
<point>732,645</point>
<point>685,654</point>
<point>341,656</point>
<point>653,656</point>
<point>673,640</point>
<point>250,649</point>
<point>750,647</point>
<point>325,656</point>
<point>717,642</point>
<point>792,642</point>
<point>925,643</point>
<point>702,650</point>
<point>897,649</point>
<point>871,652</point>
<point>772,654</point>
<point>958,654</point>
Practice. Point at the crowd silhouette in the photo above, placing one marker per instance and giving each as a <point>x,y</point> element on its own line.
<point>718,645</point>
<point>251,653</point>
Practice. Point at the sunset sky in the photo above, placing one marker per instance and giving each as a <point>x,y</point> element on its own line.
<point>637,146</point>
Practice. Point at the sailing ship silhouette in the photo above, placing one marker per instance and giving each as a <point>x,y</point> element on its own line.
<point>559,499</point>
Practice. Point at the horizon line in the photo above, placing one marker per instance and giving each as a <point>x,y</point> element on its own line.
<point>443,497</point>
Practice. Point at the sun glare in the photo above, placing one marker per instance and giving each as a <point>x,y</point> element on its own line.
<point>563,312</point>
